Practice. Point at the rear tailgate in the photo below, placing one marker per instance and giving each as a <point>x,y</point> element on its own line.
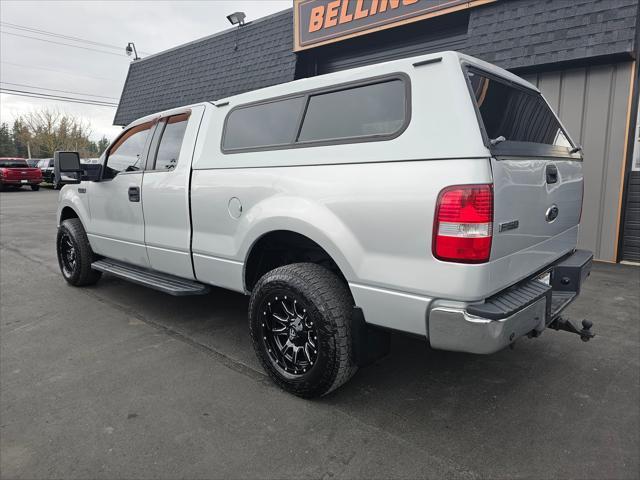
<point>537,205</point>
<point>29,174</point>
<point>537,175</point>
<point>16,170</point>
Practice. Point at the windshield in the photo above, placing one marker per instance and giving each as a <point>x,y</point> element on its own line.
<point>515,113</point>
<point>13,163</point>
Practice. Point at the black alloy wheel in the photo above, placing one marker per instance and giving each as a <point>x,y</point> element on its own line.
<point>74,254</point>
<point>288,332</point>
<point>300,324</point>
<point>67,254</point>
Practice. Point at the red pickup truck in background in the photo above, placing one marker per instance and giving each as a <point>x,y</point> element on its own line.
<point>16,172</point>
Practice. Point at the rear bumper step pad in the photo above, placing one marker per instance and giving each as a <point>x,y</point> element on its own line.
<point>511,300</point>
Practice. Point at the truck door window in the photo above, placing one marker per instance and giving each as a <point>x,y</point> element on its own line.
<point>515,113</point>
<point>170,142</point>
<point>126,154</point>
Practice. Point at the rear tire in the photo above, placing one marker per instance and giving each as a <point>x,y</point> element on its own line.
<point>310,308</point>
<point>35,188</point>
<point>75,255</point>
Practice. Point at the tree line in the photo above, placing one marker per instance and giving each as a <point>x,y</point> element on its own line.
<point>42,132</point>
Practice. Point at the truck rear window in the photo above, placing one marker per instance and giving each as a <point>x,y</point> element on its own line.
<point>13,163</point>
<point>515,113</point>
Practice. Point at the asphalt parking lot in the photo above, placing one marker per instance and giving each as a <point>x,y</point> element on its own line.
<point>118,381</point>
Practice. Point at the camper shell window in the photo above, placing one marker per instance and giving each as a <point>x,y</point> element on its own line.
<point>376,109</point>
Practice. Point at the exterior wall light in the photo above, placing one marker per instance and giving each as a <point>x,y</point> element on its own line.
<point>131,48</point>
<point>236,18</point>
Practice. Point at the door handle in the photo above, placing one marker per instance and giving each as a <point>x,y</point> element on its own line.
<point>552,173</point>
<point>134,194</point>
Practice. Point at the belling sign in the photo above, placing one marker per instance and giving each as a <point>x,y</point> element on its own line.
<point>318,22</point>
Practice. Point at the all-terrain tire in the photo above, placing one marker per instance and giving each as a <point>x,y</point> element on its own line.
<point>80,273</point>
<point>329,307</point>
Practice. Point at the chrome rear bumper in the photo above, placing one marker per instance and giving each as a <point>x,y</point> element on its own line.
<point>527,307</point>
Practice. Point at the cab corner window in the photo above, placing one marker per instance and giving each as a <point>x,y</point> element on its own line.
<point>126,154</point>
<point>170,143</point>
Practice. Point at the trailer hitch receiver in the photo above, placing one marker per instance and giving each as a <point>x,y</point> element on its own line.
<point>561,323</point>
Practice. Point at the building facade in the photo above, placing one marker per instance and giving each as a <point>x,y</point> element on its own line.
<point>580,53</point>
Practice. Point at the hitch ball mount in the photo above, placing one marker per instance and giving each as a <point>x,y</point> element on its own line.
<point>561,323</point>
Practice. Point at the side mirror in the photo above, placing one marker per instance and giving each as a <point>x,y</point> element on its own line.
<point>67,163</point>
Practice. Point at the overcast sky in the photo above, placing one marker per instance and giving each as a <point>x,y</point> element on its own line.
<point>152,26</point>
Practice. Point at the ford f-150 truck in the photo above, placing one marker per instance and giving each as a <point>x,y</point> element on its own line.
<point>15,172</point>
<point>437,195</point>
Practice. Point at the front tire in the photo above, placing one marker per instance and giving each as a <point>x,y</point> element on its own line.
<point>300,323</point>
<point>75,255</point>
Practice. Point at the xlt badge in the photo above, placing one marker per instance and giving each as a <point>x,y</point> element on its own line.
<point>512,225</point>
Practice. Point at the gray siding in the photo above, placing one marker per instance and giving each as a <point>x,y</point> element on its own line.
<point>593,104</point>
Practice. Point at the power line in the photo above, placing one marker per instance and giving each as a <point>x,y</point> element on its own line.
<point>62,43</point>
<point>24,93</point>
<point>55,90</point>
<point>58,70</point>
<point>59,35</point>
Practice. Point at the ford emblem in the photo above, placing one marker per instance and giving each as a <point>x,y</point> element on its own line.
<point>552,213</point>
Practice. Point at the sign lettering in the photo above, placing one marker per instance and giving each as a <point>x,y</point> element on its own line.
<point>318,22</point>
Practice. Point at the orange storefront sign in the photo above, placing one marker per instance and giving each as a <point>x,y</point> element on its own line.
<point>318,22</point>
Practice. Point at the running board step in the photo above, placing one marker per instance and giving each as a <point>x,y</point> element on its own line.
<point>158,281</point>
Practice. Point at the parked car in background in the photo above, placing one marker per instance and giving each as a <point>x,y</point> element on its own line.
<point>15,172</point>
<point>33,162</point>
<point>46,167</point>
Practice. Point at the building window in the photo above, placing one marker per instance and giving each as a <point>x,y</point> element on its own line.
<point>377,109</point>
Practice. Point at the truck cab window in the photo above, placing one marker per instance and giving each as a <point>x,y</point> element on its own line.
<point>126,154</point>
<point>171,142</point>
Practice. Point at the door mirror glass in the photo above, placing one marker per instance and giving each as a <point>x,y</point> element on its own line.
<point>69,161</point>
<point>67,167</point>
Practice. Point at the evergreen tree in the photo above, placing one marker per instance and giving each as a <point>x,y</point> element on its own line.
<point>7,147</point>
<point>20,138</point>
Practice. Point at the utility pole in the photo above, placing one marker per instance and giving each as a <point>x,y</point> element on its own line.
<point>28,150</point>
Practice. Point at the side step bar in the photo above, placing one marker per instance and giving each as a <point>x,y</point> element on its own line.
<point>158,281</point>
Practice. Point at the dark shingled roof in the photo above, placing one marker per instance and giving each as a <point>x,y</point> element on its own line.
<point>509,33</point>
<point>523,33</point>
<point>211,68</point>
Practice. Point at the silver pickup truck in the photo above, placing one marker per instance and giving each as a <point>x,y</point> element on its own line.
<point>437,195</point>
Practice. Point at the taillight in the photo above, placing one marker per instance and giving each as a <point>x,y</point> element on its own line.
<point>463,224</point>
